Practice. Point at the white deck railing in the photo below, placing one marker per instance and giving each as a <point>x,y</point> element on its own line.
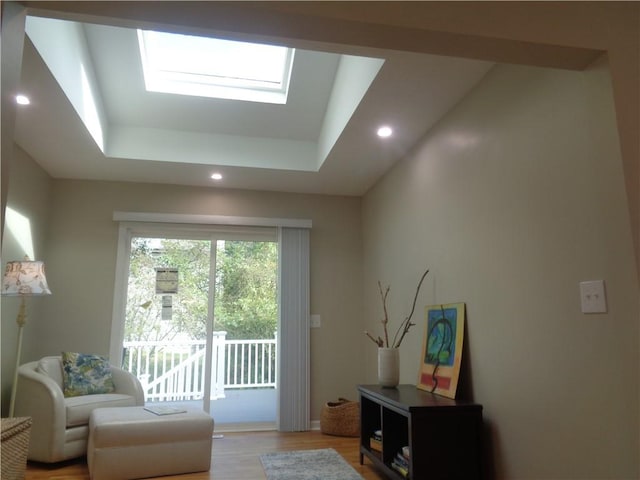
<point>174,371</point>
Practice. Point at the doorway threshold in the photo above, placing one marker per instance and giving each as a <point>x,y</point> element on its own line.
<point>245,427</point>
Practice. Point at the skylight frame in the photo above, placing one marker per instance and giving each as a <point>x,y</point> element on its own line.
<point>181,79</point>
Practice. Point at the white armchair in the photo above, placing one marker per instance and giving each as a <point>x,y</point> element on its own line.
<point>60,426</point>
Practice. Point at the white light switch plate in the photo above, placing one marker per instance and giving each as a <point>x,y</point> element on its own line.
<point>592,297</point>
<point>315,321</point>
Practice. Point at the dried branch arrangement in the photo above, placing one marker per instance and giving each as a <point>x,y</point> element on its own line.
<point>404,326</point>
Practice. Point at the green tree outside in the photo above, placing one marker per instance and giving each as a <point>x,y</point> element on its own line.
<point>246,283</point>
<point>246,289</point>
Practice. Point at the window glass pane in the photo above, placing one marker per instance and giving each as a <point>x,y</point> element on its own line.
<point>185,64</point>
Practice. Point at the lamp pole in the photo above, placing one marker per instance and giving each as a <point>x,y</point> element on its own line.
<point>20,320</point>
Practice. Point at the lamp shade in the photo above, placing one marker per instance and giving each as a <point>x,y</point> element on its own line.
<point>25,277</point>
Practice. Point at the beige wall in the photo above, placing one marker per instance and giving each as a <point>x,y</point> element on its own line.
<point>82,256</point>
<point>511,201</point>
<point>29,196</point>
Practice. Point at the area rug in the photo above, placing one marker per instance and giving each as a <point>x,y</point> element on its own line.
<point>323,464</point>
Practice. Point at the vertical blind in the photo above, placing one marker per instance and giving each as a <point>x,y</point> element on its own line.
<point>293,336</point>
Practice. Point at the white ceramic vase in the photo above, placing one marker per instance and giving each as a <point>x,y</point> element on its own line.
<point>388,367</point>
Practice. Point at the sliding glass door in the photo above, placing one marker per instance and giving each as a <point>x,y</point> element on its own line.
<point>200,316</point>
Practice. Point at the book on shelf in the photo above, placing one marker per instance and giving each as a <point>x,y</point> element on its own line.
<point>375,441</point>
<point>402,461</point>
<point>375,444</point>
<point>401,469</point>
<point>164,409</point>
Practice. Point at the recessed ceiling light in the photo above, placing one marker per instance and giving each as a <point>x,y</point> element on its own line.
<point>216,176</point>
<point>22,100</point>
<point>385,131</point>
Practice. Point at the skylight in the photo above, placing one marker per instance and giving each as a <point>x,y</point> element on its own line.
<point>211,67</point>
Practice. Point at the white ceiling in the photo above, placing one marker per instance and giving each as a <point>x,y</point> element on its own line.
<point>181,140</point>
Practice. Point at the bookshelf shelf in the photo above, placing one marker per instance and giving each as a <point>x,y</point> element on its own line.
<point>443,436</point>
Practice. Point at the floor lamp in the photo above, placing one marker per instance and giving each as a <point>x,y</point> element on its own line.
<point>21,279</point>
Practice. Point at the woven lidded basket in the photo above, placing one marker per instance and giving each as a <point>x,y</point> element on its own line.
<point>15,445</point>
<point>341,418</point>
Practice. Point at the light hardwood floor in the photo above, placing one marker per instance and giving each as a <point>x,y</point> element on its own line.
<point>236,456</point>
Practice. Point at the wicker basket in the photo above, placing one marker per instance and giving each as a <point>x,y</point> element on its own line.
<point>341,418</point>
<point>15,446</point>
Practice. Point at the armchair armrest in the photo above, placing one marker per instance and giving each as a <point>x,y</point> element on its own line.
<point>127,383</point>
<point>41,398</point>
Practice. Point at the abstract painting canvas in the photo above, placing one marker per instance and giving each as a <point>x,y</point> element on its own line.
<point>442,349</point>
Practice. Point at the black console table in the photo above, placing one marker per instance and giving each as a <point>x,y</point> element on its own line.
<point>441,437</point>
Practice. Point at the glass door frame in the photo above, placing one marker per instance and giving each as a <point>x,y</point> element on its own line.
<point>212,233</point>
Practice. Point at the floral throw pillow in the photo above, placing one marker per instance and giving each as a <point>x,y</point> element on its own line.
<point>85,374</point>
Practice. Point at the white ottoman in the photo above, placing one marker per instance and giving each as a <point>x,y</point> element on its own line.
<point>129,442</point>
